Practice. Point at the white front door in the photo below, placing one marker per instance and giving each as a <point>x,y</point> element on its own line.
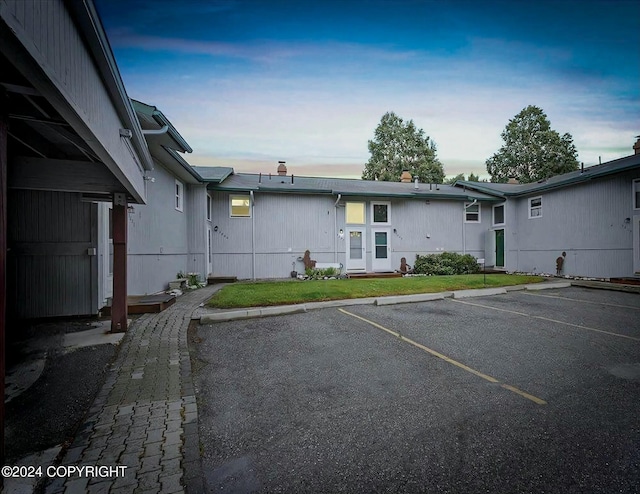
<point>356,259</point>
<point>381,251</point>
<point>209,253</point>
<point>636,245</point>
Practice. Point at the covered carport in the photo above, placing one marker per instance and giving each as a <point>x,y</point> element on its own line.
<point>69,138</point>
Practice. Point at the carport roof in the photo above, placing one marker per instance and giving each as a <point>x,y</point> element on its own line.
<point>245,182</point>
<point>564,180</point>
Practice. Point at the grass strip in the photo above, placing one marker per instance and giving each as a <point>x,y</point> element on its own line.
<point>267,293</point>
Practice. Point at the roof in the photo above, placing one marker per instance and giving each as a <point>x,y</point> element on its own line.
<point>213,174</point>
<point>564,180</point>
<point>245,182</point>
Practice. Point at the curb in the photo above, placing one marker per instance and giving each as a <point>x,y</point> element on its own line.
<point>252,313</point>
<point>418,297</point>
<point>478,293</point>
<point>548,286</point>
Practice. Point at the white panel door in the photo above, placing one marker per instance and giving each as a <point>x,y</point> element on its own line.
<point>636,245</point>
<point>380,251</point>
<point>356,258</point>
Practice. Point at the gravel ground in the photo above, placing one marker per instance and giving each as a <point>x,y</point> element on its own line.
<point>325,402</point>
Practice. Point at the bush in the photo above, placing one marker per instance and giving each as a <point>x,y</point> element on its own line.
<point>321,273</point>
<point>445,264</point>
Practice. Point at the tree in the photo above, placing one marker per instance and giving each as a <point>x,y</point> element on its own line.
<point>460,176</point>
<point>532,150</point>
<point>399,146</point>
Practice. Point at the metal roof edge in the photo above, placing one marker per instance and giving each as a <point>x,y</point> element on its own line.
<point>174,154</point>
<point>480,188</point>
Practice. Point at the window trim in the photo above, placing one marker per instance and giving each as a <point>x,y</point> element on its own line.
<point>239,196</point>
<point>364,212</point>
<point>179,196</point>
<point>529,201</point>
<point>465,212</point>
<point>380,203</point>
<point>504,214</point>
<point>209,207</point>
<point>635,189</point>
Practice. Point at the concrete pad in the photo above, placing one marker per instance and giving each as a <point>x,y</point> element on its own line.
<point>481,292</point>
<point>21,377</point>
<point>91,337</point>
<point>548,286</point>
<point>417,297</point>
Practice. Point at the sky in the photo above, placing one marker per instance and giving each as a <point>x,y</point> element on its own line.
<point>248,83</point>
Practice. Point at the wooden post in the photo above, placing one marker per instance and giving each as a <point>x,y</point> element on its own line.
<point>119,300</point>
<point>4,124</point>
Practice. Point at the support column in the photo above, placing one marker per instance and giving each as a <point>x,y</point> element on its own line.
<point>119,300</point>
<point>4,124</point>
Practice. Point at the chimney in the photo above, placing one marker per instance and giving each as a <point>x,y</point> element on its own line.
<point>405,178</point>
<point>636,146</point>
<point>513,180</point>
<point>282,169</point>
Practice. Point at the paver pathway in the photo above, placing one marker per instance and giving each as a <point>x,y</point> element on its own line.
<point>145,416</point>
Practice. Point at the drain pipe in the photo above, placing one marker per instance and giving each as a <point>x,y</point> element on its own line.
<point>464,225</point>
<point>253,237</point>
<point>335,229</point>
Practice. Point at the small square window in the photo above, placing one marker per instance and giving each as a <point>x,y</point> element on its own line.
<point>472,212</point>
<point>498,214</point>
<point>380,213</point>
<point>240,206</point>
<point>179,195</point>
<point>535,207</point>
<point>354,213</point>
<point>636,194</point>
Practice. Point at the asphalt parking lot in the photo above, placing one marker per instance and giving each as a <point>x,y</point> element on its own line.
<point>522,392</point>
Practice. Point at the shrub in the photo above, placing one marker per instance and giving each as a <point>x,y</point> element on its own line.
<point>445,264</point>
<point>315,274</point>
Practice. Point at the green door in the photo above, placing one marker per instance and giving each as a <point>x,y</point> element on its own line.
<point>500,248</point>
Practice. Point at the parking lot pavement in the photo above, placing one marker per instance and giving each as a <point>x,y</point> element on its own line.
<point>330,401</point>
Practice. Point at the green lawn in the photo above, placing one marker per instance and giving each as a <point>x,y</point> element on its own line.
<point>265,293</point>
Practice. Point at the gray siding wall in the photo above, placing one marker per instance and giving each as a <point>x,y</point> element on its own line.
<point>287,224</point>
<point>587,221</point>
<point>158,237</point>
<point>51,271</point>
<point>47,31</point>
<point>197,229</point>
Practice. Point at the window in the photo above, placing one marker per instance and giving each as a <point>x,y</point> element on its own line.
<point>535,207</point>
<point>354,213</point>
<point>240,206</point>
<point>471,212</point>
<point>498,214</point>
<point>179,195</point>
<point>636,194</point>
<point>381,213</point>
<point>208,207</point>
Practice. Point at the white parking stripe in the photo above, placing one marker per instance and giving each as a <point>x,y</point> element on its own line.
<point>579,326</point>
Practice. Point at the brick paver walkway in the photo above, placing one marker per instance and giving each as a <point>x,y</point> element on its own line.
<point>145,416</point>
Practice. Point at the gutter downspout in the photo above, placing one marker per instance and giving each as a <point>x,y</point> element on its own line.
<point>253,238</point>
<point>162,130</point>
<point>335,229</point>
<point>464,226</point>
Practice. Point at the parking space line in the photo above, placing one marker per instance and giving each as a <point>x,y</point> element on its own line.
<point>581,300</point>
<point>447,359</point>
<point>579,326</point>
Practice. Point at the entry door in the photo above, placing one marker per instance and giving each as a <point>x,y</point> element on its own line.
<point>636,245</point>
<point>499,248</point>
<point>381,259</point>
<point>209,252</point>
<point>356,259</point>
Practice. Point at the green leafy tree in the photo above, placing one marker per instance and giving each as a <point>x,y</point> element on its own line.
<point>532,150</point>
<point>399,146</point>
<point>460,176</point>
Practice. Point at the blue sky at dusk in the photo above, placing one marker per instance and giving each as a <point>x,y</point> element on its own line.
<point>248,83</point>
